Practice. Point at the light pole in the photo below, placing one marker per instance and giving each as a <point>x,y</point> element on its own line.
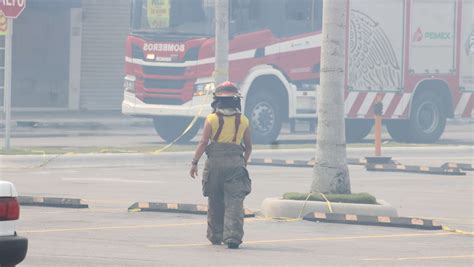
<point>7,87</point>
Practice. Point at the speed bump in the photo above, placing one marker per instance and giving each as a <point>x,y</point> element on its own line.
<point>404,222</point>
<point>52,202</point>
<point>413,169</point>
<point>176,208</point>
<point>299,163</point>
<point>281,162</point>
<point>392,166</point>
<point>462,166</point>
<point>353,161</point>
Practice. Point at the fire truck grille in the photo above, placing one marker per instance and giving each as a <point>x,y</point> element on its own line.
<point>169,71</point>
<point>137,51</point>
<point>163,84</point>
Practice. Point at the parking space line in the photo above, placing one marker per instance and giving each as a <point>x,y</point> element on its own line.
<point>421,258</point>
<point>138,226</point>
<point>292,240</point>
<point>101,210</point>
<point>111,180</point>
<point>181,245</point>
<point>111,227</point>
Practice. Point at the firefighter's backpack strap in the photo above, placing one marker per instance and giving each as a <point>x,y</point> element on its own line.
<point>221,125</point>
<point>237,125</point>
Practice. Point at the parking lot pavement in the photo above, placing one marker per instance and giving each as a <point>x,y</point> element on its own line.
<point>108,235</point>
<point>123,136</point>
<point>108,180</point>
<point>112,237</point>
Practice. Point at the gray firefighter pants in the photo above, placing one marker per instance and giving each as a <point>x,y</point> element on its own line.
<point>226,182</point>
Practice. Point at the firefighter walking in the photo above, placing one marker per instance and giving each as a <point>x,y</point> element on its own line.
<point>226,182</point>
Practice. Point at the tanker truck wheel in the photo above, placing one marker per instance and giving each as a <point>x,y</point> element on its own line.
<point>357,129</point>
<point>170,128</point>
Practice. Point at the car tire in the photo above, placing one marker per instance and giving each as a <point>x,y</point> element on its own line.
<point>357,129</point>
<point>14,250</point>
<point>265,117</point>
<point>170,128</point>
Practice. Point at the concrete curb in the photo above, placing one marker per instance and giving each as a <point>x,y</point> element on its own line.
<point>278,207</point>
<point>404,222</point>
<point>53,202</point>
<point>413,169</point>
<point>61,125</point>
<point>83,125</point>
<point>176,208</point>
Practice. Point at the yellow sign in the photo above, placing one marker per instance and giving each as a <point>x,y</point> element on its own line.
<point>158,13</point>
<point>3,25</point>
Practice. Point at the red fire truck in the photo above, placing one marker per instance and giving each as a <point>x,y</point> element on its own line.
<point>415,55</point>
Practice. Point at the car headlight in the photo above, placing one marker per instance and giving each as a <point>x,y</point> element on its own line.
<point>204,89</point>
<point>129,83</point>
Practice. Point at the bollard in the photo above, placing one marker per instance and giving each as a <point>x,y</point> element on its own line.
<point>378,159</point>
<point>378,108</point>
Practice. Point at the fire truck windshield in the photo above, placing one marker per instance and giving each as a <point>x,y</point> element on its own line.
<point>173,16</point>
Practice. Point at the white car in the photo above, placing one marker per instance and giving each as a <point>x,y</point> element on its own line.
<point>12,247</point>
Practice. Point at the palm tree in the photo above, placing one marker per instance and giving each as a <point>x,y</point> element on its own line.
<point>222,41</point>
<point>330,173</point>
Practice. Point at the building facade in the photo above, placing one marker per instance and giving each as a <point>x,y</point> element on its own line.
<point>69,55</point>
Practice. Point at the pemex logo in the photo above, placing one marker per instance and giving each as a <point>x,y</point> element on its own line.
<point>417,36</point>
<point>433,36</point>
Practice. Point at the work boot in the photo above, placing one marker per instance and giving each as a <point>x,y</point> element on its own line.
<point>216,243</point>
<point>232,245</point>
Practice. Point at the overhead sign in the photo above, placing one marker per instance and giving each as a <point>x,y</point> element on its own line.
<point>12,8</point>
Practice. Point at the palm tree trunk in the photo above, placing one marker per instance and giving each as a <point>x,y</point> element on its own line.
<point>221,67</point>
<point>330,174</point>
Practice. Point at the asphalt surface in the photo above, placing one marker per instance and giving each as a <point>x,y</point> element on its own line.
<point>117,238</point>
<point>142,133</point>
<point>107,234</point>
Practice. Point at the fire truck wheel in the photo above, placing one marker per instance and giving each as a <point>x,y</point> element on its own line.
<point>427,118</point>
<point>398,130</point>
<point>170,128</point>
<point>265,117</point>
<point>357,130</point>
<point>426,124</point>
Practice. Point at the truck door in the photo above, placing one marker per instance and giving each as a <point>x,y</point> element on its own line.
<point>433,33</point>
<point>465,105</point>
